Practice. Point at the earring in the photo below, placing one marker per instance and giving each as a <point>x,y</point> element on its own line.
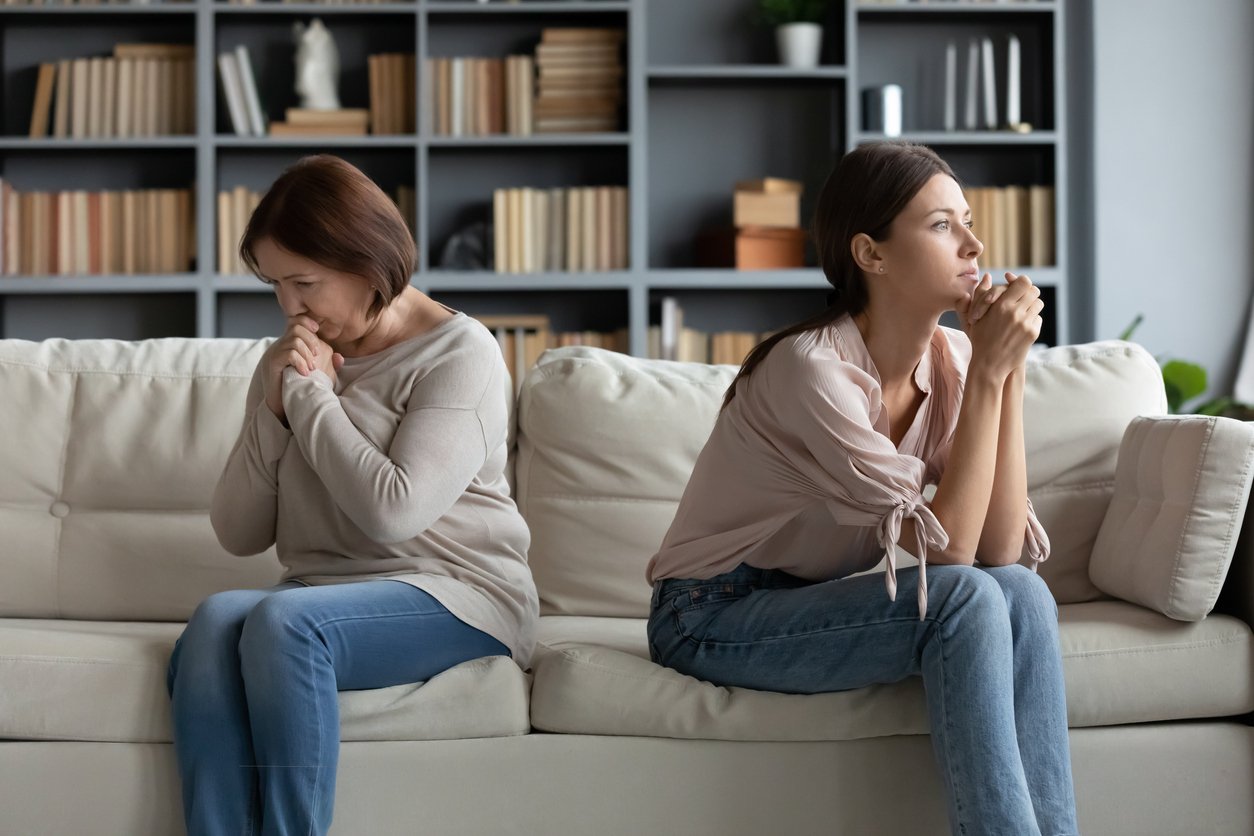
<point>881,269</point>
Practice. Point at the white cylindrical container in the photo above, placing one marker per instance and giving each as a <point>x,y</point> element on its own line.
<point>881,109</point>
<point>799,44</point>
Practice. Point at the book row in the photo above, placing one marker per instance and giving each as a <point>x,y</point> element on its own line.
<point>96,233</point>
<point>1015,224</point>
<point>141,90</point>
<point>672,340</point>
<point>583,229</point>
<point>235,206</point>
<point>524,337</point>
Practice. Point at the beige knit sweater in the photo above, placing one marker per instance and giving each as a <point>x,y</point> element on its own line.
<point>397,471</point>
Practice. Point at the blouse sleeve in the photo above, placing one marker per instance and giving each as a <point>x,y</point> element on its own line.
<point>841,456</point>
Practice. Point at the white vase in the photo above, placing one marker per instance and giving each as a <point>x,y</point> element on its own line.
<point>799,44</point>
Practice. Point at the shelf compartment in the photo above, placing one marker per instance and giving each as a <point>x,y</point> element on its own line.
<point>716,32</point>
<point>461,182</point>
<point>763,129</point>
<point>271,50</point>
<point>118,316</point>
<point>896,49</point>
<point>456,30</point>
<point>28,40</point>
<point>257,168</point>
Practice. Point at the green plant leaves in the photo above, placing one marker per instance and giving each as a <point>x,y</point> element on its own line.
<point>1184,381</point>
<point>779,12</point>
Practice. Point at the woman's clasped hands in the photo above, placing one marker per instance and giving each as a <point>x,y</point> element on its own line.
<point>1003,321</point>
<point>302,349</point>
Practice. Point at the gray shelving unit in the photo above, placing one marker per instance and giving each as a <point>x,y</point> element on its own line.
<point>707,105</point>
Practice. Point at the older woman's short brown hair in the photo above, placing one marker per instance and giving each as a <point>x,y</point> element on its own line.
<point>328,211</point>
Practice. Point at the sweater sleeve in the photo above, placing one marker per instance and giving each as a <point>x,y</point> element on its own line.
<point>245,500</point>
<point>392,495</point>
<point>863,477</point>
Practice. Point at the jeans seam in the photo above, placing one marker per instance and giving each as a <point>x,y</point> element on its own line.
<point>313,800</point>
<point>803,634</point>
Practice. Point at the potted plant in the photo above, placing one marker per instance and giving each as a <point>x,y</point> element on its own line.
<point>798,29</point>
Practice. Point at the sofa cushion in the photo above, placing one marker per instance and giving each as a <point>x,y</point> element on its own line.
<point>606,444</point>
<point>1122,663</point>
<point>1180,494</point>
<point>106,681</point>
<point>104,498</point>
<point>1077,401</point>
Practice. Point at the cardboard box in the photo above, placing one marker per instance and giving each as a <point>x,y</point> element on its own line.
<point>752,248</point>
<point>777,209</point>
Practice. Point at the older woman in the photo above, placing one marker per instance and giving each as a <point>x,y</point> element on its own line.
<point>372,455</point>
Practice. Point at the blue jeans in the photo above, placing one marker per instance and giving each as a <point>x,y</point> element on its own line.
<point>987,651</point>
<point>253,684</point>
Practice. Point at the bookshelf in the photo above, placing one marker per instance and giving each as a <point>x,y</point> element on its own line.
<point>705,105</point>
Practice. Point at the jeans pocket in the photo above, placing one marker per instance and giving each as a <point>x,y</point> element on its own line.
<point>693,609</point>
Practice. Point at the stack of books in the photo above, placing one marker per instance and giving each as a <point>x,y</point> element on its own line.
<point>141,90</point>
<point>306,122</point>
<point>96,233</point>
<point>392,92</point>
<point>560,230</point>
<point>580,87</point>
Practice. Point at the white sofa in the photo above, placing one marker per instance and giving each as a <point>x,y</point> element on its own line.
<point>108,455</point>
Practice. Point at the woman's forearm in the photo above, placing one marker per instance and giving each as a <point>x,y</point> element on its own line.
<point>962,496</point>
<point>1001,541</point>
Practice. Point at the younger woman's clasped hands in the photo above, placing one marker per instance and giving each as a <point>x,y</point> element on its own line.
<point>1003,321</point>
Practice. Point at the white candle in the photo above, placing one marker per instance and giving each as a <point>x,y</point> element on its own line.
<point>1012,82</point>
<point>973,63</point>
<point>951,84</point>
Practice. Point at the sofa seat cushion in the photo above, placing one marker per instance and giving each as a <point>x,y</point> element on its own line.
<point>1123,664</point>
<point>106,681</point>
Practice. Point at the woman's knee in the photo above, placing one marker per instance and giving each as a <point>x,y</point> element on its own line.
<point>273,623</point>
<point>965,590</point>
<point>1023,589</point>
<point>207,647</point>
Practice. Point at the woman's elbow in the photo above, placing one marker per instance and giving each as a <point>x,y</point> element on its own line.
<point>235,540</point>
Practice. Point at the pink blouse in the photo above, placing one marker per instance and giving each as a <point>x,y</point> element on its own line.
<point>799,473</point>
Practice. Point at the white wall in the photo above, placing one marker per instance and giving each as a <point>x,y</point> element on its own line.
<point>1173,176</point>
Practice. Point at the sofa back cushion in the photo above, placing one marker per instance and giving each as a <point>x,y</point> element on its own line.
<point>606,443</point>
<point>110,454</point>
<point>1077,402</point>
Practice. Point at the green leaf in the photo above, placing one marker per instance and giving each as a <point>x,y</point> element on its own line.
<point>779,12</point>
<point>1187,379</point>
<point>1217,406</point>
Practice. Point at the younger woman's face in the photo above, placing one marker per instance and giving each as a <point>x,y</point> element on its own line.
<point>337,301</point>
<point>931,253</point>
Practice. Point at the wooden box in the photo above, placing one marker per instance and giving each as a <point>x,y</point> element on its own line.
<point>752,248</point>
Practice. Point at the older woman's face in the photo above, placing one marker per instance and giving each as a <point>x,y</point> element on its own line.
<point>336,301</point>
